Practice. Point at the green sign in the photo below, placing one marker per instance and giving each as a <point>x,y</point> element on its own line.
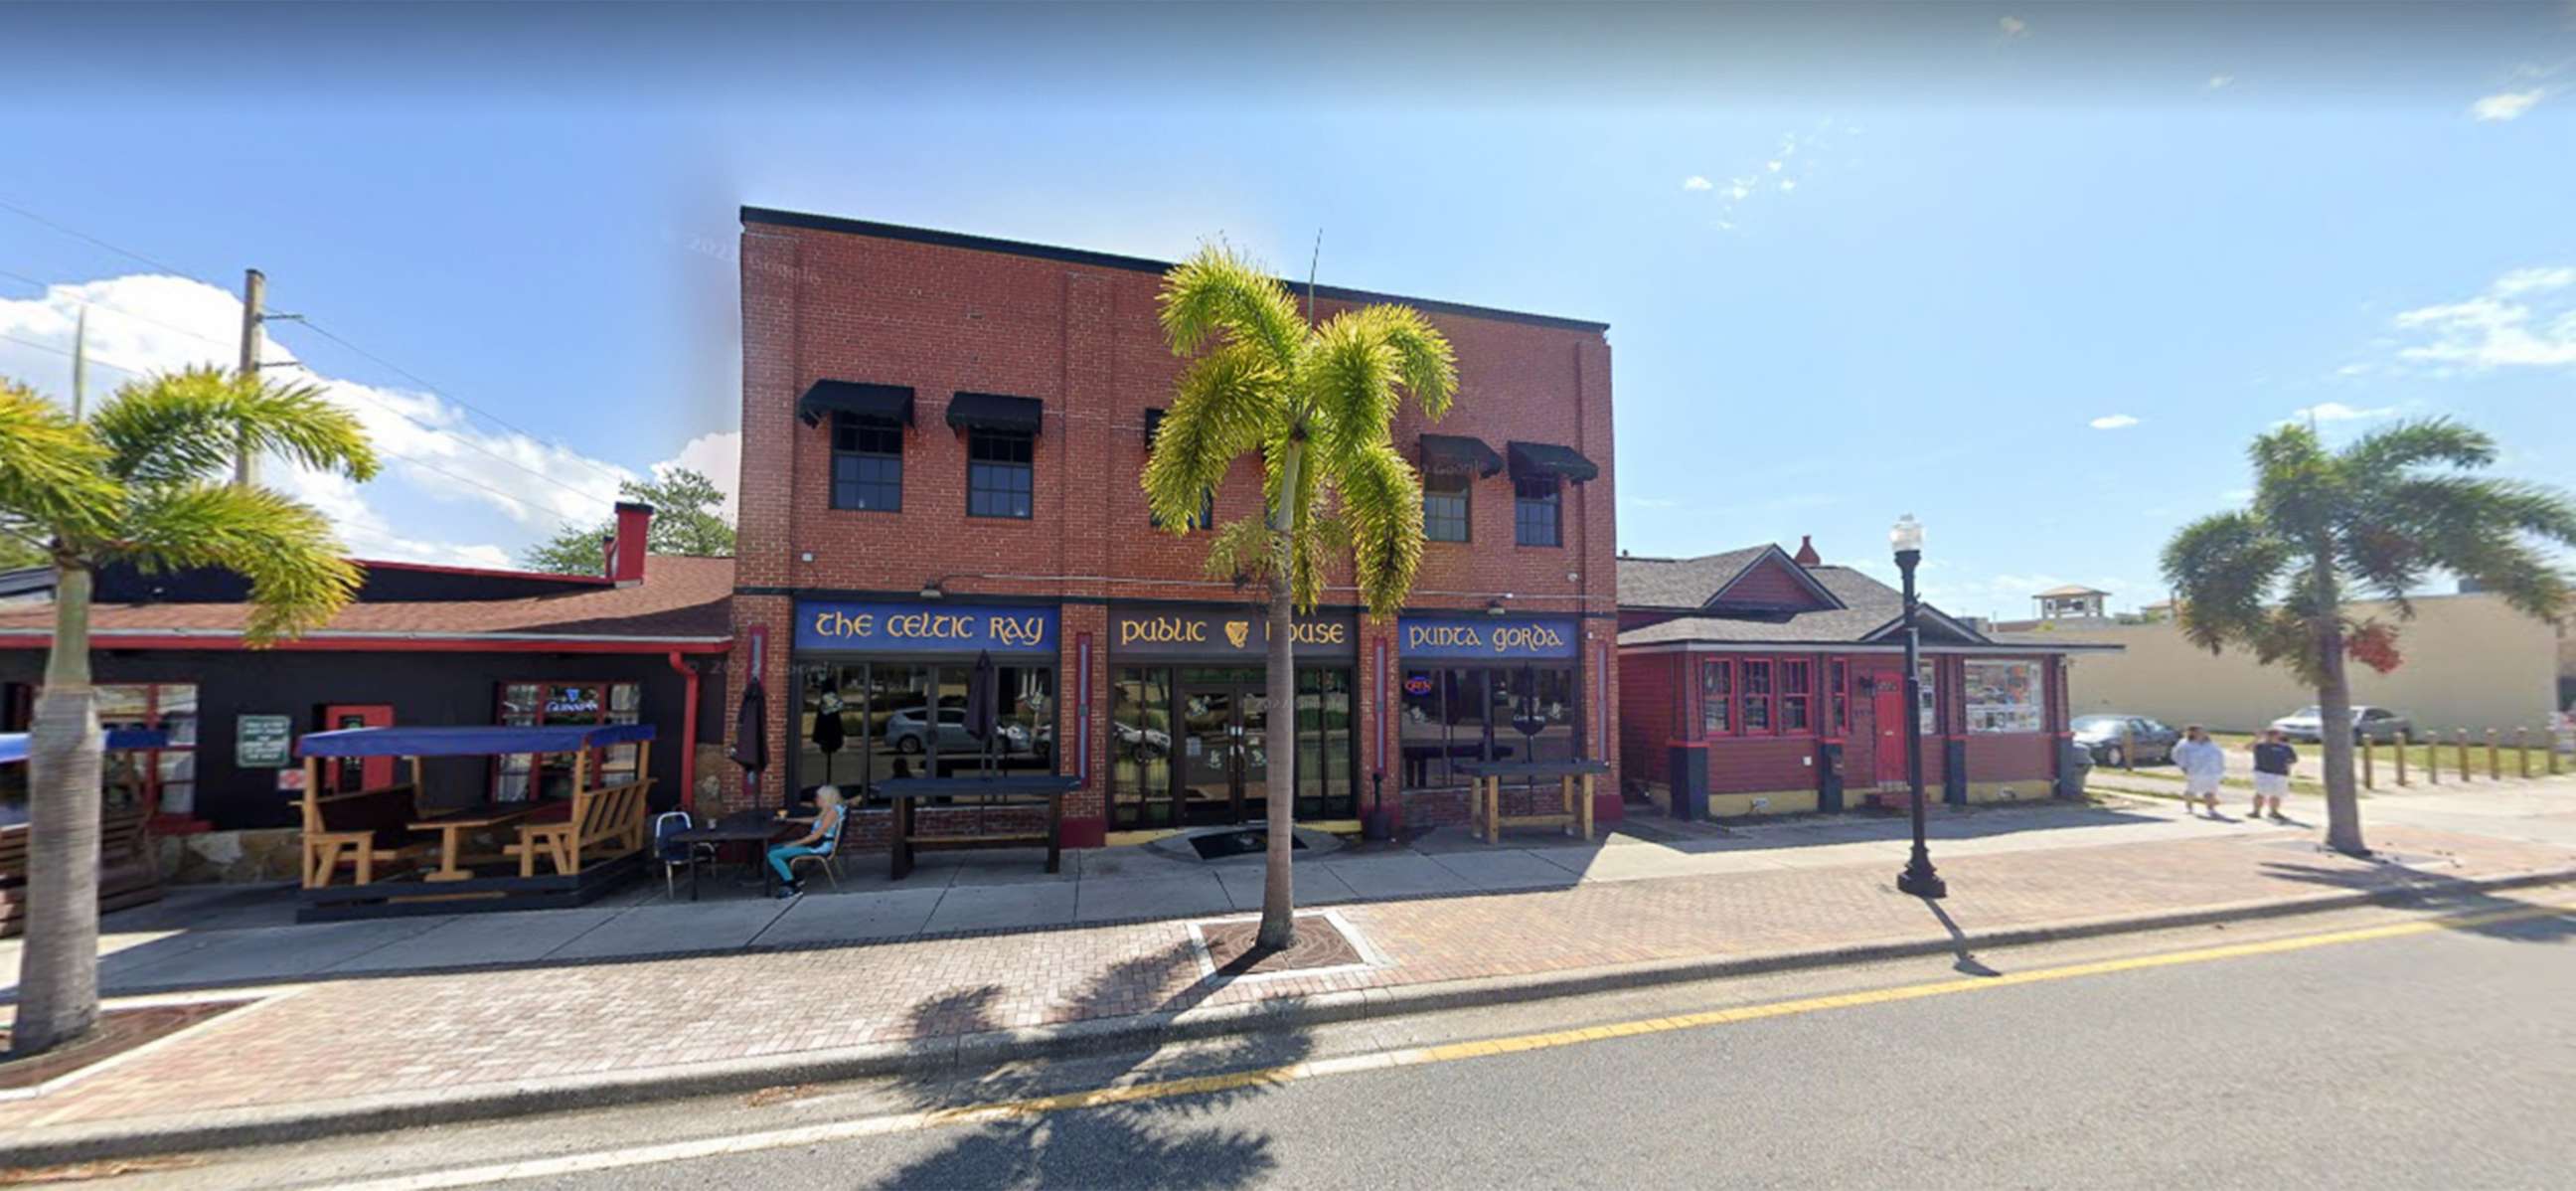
<point>263,741</point>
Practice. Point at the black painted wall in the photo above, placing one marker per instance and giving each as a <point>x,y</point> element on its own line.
<point>422,688</point>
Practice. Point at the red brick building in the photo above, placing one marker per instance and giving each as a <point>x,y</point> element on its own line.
<point>942,436</point>
<point>1760,682</point>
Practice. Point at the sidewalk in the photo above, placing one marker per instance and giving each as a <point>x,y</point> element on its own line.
<point>393,1049</point>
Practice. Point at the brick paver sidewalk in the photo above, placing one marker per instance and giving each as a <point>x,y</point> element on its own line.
<point>347,1039</point>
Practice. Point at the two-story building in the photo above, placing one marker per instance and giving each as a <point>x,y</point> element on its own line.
<point>942,439</point>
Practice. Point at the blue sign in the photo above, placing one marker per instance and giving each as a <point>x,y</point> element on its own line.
<point>1488,638</point>
<point>892,627</point>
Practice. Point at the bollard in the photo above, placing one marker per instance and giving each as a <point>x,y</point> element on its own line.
<point>2128,749</point>
<point>2369,778</point>
<point>2460,740</point>
<point>2550,746</point>
<point>2401,760</point>
<point>2495,758</point>
<point>2521,755</point>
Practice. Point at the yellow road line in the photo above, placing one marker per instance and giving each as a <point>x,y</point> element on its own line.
<point>807,1135</point>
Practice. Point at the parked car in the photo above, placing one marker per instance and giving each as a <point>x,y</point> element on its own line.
<point>2373,723</point>
<point>2145,741</point>
<point>908,732</point>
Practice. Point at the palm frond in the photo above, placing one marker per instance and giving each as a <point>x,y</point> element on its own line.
<point>298,580</point>
<point>1218,294</point>
<point>1226,404</point>
<point>2390,450</point>
<point>2225,569</point>
<point>1243,552</point>
<point>187,425</point>
<point>1382,501</point>
<point>1364,362</point>
<point>53,480</point>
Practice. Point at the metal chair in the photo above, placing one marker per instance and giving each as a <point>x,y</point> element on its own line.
<point>830,857</point>
<point>673,854</point>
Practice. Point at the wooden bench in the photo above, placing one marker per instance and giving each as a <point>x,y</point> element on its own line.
<point>129,873</point>
<point>362,830</point>
<point>613,817</point>
<point>907,792</point>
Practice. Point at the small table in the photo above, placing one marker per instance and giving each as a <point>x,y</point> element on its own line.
<point>452,826</point>
<point>1485,798</point>
<point>904,791</point>
<point>734,829</point>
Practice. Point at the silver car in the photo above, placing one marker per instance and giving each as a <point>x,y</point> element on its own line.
<point>2368,723</point>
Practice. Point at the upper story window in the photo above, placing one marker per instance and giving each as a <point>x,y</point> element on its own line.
<point>1203,519</point>
<point>1444,504</point>
<point>1534,512</point>
<point>867,464</point>
<point>1000,481</point>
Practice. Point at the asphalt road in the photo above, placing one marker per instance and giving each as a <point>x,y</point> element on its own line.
<point>2325,1057</point>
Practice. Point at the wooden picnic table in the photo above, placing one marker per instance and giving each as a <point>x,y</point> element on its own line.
<point>453,825</point>
<point>905,791</point>
<point>1485,798</point>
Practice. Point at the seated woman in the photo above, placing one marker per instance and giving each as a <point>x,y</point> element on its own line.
<point>818,842</point>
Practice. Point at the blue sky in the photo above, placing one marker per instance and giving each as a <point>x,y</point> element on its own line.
<point>1856,262</point>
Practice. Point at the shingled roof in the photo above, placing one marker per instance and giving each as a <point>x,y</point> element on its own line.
<point>682,601</point>
<point>1869,606</point>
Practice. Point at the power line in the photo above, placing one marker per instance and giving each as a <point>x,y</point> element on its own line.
<point>414,377</point>
<point>359,391</point>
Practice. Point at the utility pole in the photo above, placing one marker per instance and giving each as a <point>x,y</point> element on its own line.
<point>254,291</point>
<point>80,362</point>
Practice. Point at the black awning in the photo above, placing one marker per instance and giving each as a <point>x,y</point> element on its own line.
<point>1153,424</point>
<point>1548,459</point>
<point>1461,453</point>
<point>884,403</point>
<point>993,411</point>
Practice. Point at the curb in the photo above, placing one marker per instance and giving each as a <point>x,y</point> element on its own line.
<point>235,1128</point>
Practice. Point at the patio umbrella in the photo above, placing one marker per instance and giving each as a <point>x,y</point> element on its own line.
<point>751,734</point>
<point>983,702</point>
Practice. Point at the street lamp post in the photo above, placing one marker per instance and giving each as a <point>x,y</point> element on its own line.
<point>1918,878</point>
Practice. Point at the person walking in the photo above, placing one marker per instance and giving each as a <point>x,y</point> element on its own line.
<point>2202,765</point>
<point>2273,759</point>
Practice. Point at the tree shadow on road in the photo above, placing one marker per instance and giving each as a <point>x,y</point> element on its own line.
<point>2494,913</point>
<point>1055,1131</point>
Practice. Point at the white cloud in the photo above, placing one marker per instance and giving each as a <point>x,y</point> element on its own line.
<point>145,323</point>
<point>2013,26</point>
<point>1772,166</point>
<point>2355,369</point>
<point>2237,496</point>
<point>1788,184</point>
<point>2336,411</point>
<point>2507,105</point>
<point>1695,182</point>
<point>2113,422</point>
<point>718,457</point>
<point>2220,82</point>
<point>2526,318</point>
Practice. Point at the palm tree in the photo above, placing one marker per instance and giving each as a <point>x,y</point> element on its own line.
<point>2381,515</point>
<point>1317,403</point>
<point>137,483</point>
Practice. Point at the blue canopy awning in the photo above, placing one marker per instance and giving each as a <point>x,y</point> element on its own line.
<point>457,741</point>
<point>13,745</point>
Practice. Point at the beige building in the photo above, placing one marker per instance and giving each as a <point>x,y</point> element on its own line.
<point>2470,662</point>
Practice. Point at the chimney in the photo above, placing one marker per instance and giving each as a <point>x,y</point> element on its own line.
<point>626,548</point>
<point>1807,556</point>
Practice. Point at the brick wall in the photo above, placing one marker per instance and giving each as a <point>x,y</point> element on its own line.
<point>1082,337</point>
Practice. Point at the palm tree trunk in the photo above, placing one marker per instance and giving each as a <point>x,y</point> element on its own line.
<point>2334,725</point>
<point>58,971</point>
<point>1278,893</point>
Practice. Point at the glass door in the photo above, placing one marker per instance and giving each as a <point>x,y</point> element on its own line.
<point>1211,747</point>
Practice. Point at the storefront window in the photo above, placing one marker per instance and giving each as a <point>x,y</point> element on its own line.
<point>2003,696</point>
<point>860,723</point>
<point>1461,714</point>
<point>1837,698</point>
<point>1927,697</point>
<point>162,780</point>
<point>1140,746</point>
<point>520,777</point>
<point>1754,675</point>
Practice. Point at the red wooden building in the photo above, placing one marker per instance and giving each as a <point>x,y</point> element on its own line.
<point>1758,682</point>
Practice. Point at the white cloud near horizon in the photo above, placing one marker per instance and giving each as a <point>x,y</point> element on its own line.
<point>2525,318</point>
<point>2013,26</point>
<point>1695,182</point>
<point>2336,411</point>
<point>2113,422</point>
<point>143,323</point>
<point>2220,82</point>
<point>2507,105</point>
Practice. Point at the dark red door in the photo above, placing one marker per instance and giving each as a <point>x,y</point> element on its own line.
<point>348,774</point>
<point>1887,719</point>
